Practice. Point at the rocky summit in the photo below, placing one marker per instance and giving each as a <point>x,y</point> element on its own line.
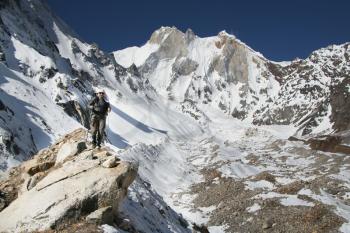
<point>204,134</point>
<point>51,192</point>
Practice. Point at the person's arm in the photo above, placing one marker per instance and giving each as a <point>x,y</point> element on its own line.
<point>92,103</point>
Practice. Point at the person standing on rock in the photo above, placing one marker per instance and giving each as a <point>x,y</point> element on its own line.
<point>100,108</point>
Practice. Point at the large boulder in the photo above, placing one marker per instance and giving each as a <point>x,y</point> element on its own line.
<point>66,192</point>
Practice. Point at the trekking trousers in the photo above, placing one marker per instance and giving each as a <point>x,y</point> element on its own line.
<point>98,124</point>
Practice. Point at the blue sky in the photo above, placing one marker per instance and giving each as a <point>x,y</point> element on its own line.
<point>281,30</point>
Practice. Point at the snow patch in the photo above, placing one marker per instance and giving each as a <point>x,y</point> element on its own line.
<point>217,229</point>
<point>134,55</point>
<point>109,229</point>
<point>255,207</point>
<point>238,170</point>
<point>30,56</point>
<point>261,184</point>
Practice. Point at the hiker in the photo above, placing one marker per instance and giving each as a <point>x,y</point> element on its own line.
<point>100,108</point>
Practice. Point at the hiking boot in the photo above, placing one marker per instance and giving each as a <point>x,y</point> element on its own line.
<point>93,145</point>
<point>98,146</point>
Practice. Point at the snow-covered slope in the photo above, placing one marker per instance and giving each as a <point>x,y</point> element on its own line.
<point>47,77</point>
<point>186,110</point>
<point>135,55</point>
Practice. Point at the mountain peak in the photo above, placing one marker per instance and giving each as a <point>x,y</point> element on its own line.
<point>223,33</point>
<point>162,33</point>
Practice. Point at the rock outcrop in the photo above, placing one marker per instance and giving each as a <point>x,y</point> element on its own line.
<point>335,143</point>
<point>64,185</point>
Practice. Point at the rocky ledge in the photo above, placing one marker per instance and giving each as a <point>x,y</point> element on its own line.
<point>336,143</point>
<point>65,185</point>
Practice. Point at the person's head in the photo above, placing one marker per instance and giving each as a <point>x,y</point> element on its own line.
<point>100,93</point>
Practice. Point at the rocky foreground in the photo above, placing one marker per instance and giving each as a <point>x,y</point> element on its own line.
<point>66,187</point>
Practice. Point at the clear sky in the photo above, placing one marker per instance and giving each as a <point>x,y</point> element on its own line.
<point>279,29</point>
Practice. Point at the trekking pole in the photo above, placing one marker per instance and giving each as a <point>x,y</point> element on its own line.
<point>88,131</point>
<point>107,139</point>
<point>106,135</point>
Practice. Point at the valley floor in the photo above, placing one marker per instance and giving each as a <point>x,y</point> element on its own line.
<point>237,177</point>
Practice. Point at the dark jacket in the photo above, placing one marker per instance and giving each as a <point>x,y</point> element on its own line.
<point>99,107</point>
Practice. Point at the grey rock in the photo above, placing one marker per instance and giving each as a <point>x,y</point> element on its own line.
<point>41,167</point>
<point>2,204</point>
<point>267,224</point>
<point>189,35</point>
<point>111,162</point>
<point>70,149</point>
<point>184,66</point>
<point>101,216</point>
<point>87,155</point>
<point>125,224</point>
<point>33,181</point>
<point>64,194</point>
<point>81,146</point>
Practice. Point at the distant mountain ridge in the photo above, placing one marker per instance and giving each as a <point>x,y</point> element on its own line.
<point>224,73</point>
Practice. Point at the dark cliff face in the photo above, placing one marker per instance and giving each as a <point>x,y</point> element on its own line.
<point>340,104</point>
